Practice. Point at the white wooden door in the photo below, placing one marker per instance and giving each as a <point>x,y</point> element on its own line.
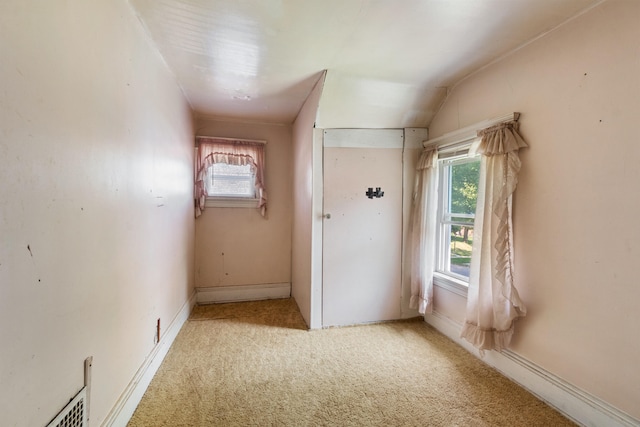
<point>362,236</point>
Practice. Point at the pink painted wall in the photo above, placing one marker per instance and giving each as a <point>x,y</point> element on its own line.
<point>306,254</point>
<point>578,89</point>
<point>96,210</point>
<point>237,246</point>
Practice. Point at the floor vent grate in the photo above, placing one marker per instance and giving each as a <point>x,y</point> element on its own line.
<point>74,414</point>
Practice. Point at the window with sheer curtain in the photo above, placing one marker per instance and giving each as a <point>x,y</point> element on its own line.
<point>459,199</point>
<point>230,173</point>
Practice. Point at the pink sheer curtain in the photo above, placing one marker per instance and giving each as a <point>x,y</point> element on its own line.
<point>237,152</point>
<point>493,303</point>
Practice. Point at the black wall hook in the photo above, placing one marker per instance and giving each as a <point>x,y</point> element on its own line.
<point>377,193</point>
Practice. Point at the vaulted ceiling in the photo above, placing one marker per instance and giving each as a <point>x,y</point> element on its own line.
<point>389,62</point>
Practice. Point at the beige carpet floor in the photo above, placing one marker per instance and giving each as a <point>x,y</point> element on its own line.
<point>255,364</point>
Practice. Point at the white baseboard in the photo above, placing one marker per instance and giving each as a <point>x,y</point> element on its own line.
<point>578,405</point>
<point>130,398</point>
<point>243,293</point>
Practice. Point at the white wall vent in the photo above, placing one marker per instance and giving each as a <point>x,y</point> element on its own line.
<point>74,414</point>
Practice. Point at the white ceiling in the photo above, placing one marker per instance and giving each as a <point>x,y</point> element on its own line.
<point>389,62</point>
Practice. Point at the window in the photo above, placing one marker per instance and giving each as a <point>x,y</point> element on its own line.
<point>444,226</point>
<point>230,173</point>
<point>458,181</point>
<point>224,180</point>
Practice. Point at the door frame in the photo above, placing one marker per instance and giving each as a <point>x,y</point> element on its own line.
<point>413,139</point>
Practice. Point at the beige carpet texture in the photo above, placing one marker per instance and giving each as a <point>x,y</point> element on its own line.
<point>256,364</point>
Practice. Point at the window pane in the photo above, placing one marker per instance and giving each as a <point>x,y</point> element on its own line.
<point>231,170</point>
<point>464,188</point>
<point>459,192</point>
<point>231,181</point>
<point>460,249</point>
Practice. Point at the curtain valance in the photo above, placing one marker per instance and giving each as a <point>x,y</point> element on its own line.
<point>501,138</point>
<point>427,158</point>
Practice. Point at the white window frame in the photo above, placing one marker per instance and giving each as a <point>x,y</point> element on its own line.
<point>454,143</point>
<point>230,200</point>
<point>454,282</point>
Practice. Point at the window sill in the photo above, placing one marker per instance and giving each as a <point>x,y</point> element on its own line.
<point>230,202</point>
<point>451,284</point>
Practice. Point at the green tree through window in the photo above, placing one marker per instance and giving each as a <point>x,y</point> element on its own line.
<point>464,193</point>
